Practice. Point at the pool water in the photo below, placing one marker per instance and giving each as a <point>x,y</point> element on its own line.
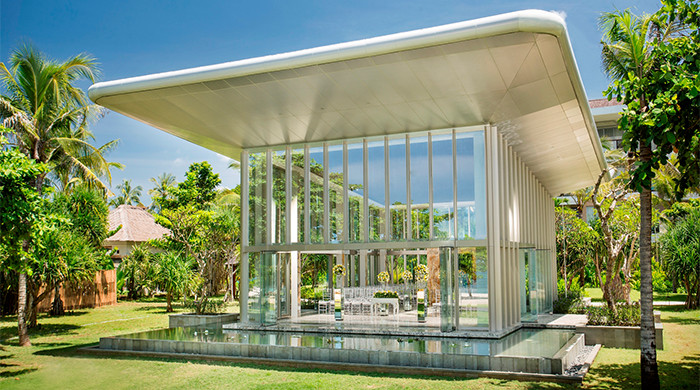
<point>522,343</point>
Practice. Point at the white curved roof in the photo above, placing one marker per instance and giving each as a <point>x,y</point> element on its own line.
<point>515,71</point>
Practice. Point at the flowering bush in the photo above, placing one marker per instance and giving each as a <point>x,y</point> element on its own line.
<point>406,276</point>
<point>339,269</point>
<point>383,277</point>
<point>421,273</point>
<point>386,294</point>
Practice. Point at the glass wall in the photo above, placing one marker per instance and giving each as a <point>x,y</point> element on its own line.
<point>316,176</point>
<point>443,187</point>
<point>336,203</point>
<point>473,287</point>
<point>376,190</point>
<point>257,199</point>
<point>279,197</point>
<point>296,219</point>
<point>397,188</point>
<point>420,188</point>
<point>356,192</point>
<point>471,185</point>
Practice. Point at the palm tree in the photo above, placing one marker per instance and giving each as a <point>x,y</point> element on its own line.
<point>128,195</point>
<point>46,117</point>
<point>627,42</point>
<point>162,189</point>
<point>49,116</point>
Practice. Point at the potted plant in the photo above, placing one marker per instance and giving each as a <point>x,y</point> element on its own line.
<point>339,272</point>
<point>421,280</point>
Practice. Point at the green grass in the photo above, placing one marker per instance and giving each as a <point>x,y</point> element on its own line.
<point>52,362</point>
<point>596,295</point>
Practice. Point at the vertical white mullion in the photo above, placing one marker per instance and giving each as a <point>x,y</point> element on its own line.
<point>346,198</point>
<point>409,217</point>
<point>268,197</point>
<point>307,196</point>
<point>288,188</point>
<point>430,186</point>
<point>454,185</point>
<point>387,206</point>
<point>326,197</point>
<point>365,193</point>
<point>244,237</point>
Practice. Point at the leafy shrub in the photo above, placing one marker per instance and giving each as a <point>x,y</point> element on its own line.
<point>570,302</point>
<point>308,292</point>
<point>386,294</point>
<point>206,306</point>
<point>627,315</point>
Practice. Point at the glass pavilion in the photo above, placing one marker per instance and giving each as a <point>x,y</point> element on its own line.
<point>441,147</point>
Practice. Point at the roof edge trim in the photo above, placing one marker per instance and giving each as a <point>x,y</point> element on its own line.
<point>520,21</point>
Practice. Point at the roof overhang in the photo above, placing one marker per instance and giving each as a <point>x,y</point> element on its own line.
<point>515,71</point>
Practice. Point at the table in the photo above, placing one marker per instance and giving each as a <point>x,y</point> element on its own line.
<point>394,302</point>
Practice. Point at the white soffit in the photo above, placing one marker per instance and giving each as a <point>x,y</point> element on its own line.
<point>515,71</point>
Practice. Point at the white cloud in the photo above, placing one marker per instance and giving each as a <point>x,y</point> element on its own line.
<point>562,14</point>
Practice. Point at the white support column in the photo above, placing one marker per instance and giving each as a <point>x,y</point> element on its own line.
<point>365,189</point>
<point>493,228</point>
<point>269,227</point>
<point>294,281</point>
<point>243,290</point>
<point>409,216</point>
<point>387,206</point>
<point>288,191</point>
<point>430,187</point>
<point>346,197</point>
<point>363,267</point>
<point>307,196</point>
<point>326,202</point>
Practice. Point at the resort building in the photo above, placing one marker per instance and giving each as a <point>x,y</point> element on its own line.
<point>440,147</point>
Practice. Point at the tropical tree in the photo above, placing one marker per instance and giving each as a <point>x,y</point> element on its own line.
<point>163,185</point>
<point>175,275</point>
<point>19,210</point>
<point>128,195</point>
<point>653,62</point>
<point>680,248</point>
<point>49,116</point>
<point>136,271</point>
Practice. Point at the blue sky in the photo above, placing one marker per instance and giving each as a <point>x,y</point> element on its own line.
<point>132,38</point>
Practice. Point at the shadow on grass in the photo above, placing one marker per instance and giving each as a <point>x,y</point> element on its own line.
<point>8,370</point>
<point>682,374</point>
<point>10,332</point>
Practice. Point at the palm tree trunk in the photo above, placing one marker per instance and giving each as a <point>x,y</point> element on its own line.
<point>169,302</point>
<point>22,307</point>
<point>650,370</point>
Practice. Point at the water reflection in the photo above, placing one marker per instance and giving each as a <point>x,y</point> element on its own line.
<point>524,342</point>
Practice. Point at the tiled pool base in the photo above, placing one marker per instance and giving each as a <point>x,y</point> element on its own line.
<point>433,354</point>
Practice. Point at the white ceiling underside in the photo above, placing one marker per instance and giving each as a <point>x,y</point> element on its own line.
<point>518,76</point>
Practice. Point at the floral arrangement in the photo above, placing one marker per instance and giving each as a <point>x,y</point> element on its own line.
<point>406,276</point>
<point>383,277</point>
<point>421,273</point>
<point>339,269</point>
<point>386,294</point>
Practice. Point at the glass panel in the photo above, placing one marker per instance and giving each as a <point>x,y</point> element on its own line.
<point>296,219</point>
<point>355,192</point>
<point>375,192</point>
<point>253,288</point>
<point>335,192</point>
<point>420,186</point>
<point>526,313</point>
<point>535,279</point>
<point>283,290</point>
<point>447,283</point>
<point>257,202</point>
<point>471,186</point>
<point>473,288</point>
<point>443,190</point>
<point>397,188</point>
<point>279,197</point>
<point>316,195</point>
<point>268,287</point>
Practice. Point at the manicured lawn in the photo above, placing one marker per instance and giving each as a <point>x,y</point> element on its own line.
<point>596,295</point>
<point>52,362</point>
